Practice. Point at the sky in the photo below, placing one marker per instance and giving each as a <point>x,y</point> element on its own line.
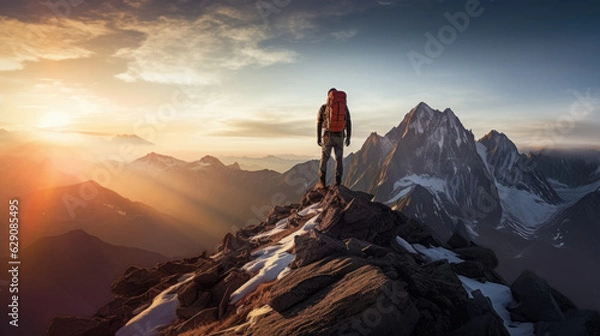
<point>247,77</point>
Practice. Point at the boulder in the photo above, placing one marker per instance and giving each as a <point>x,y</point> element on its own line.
<point>457,240</point>
<point>177,267</point>
<point>280,212</point>
<point>478,253</point>
<point>415,232</point>
<point>304,282</point>
<point>314,246</point>
<point>536,302</point>
<point>232,243</point>
<point>234,279</point>
<point>345,216</point>
<point>208,278</point>
<point>187,294</point>
<point>347,307</point>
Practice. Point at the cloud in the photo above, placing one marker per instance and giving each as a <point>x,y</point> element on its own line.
<point>344,34</point>
<point>266,128</point>
<point>50,40</point>
<point>137,4</point>
<point>201,51</point>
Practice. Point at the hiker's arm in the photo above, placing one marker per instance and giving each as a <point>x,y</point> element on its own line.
<point>320,124</point>
<point>348,124</point>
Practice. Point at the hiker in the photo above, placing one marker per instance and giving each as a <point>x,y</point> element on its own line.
<point>334,118</point>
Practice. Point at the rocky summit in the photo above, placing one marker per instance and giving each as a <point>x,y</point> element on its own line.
<point>336,263</point>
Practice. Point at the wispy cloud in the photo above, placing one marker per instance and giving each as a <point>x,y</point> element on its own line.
<point>266,127</point>
<point>51,40</point>
<point>202,51</point>
<point>344,34</point>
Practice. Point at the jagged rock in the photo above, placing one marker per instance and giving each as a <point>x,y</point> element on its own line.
<point>232,281</point>
<point>536,302</point>
<point>206,316</point>
<point>136,281</point>
<point>314,246</point>
<point>200,304</point>
<point>432,320</point>
<point>415,232</point>
<point>355,246</point>
<point>487,323</point>
<point>478,253</point>
<point>208,277</point>
<point>232,243</point>
<point>313,196</point>
<point>122,307</point>
<point>457,240</point>
<point>74,326</point>
<point>576,323</point>
<point>348,307</point>
<point>472,269</point>
<point>175,267</point>
<point>280,212</point>
<point>188,293</point>
<point>435,281</point>
<point>347,215</point>
<point>303,282</point>
<point>564,302</point>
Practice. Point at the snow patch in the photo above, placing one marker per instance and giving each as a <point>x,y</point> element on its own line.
<point>523,211</point>
<point>272,262</point>
<point>160,313</point>
<point>406,245</point>
<point>404,185</point>
<point>279,227</point>
<point>500,296</point>
<point>570,194</point>
<point>438,253</point>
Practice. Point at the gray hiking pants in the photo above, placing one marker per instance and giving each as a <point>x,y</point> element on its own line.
<point>335,141</point>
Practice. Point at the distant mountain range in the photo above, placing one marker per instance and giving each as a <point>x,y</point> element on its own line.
<point>281,163</point>
<point>69,274</point>
<point>110,217</point>
<point>214,196</point>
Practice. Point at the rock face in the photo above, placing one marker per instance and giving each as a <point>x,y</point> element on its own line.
<point>355,271</point>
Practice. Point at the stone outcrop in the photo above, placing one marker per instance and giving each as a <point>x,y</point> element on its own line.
<point>349,276</point>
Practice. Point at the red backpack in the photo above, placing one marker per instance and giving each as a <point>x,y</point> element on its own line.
<point>336,106</point>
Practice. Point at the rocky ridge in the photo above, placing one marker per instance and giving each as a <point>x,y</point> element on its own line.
<point>337,263</point>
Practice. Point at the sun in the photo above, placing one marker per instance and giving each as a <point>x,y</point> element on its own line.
<point>54,119</point>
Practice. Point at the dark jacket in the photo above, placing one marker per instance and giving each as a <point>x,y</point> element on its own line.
<point>322,119</point>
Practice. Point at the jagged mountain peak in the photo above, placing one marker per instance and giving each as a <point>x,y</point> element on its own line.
<point>209,159</point>
<point>499,140</point>
<point>156,159</point>
<point>423,121</point>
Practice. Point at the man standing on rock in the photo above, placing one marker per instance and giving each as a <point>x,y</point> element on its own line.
<point>334,118</point>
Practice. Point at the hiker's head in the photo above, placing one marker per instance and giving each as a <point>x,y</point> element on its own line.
<point>332,89</point>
